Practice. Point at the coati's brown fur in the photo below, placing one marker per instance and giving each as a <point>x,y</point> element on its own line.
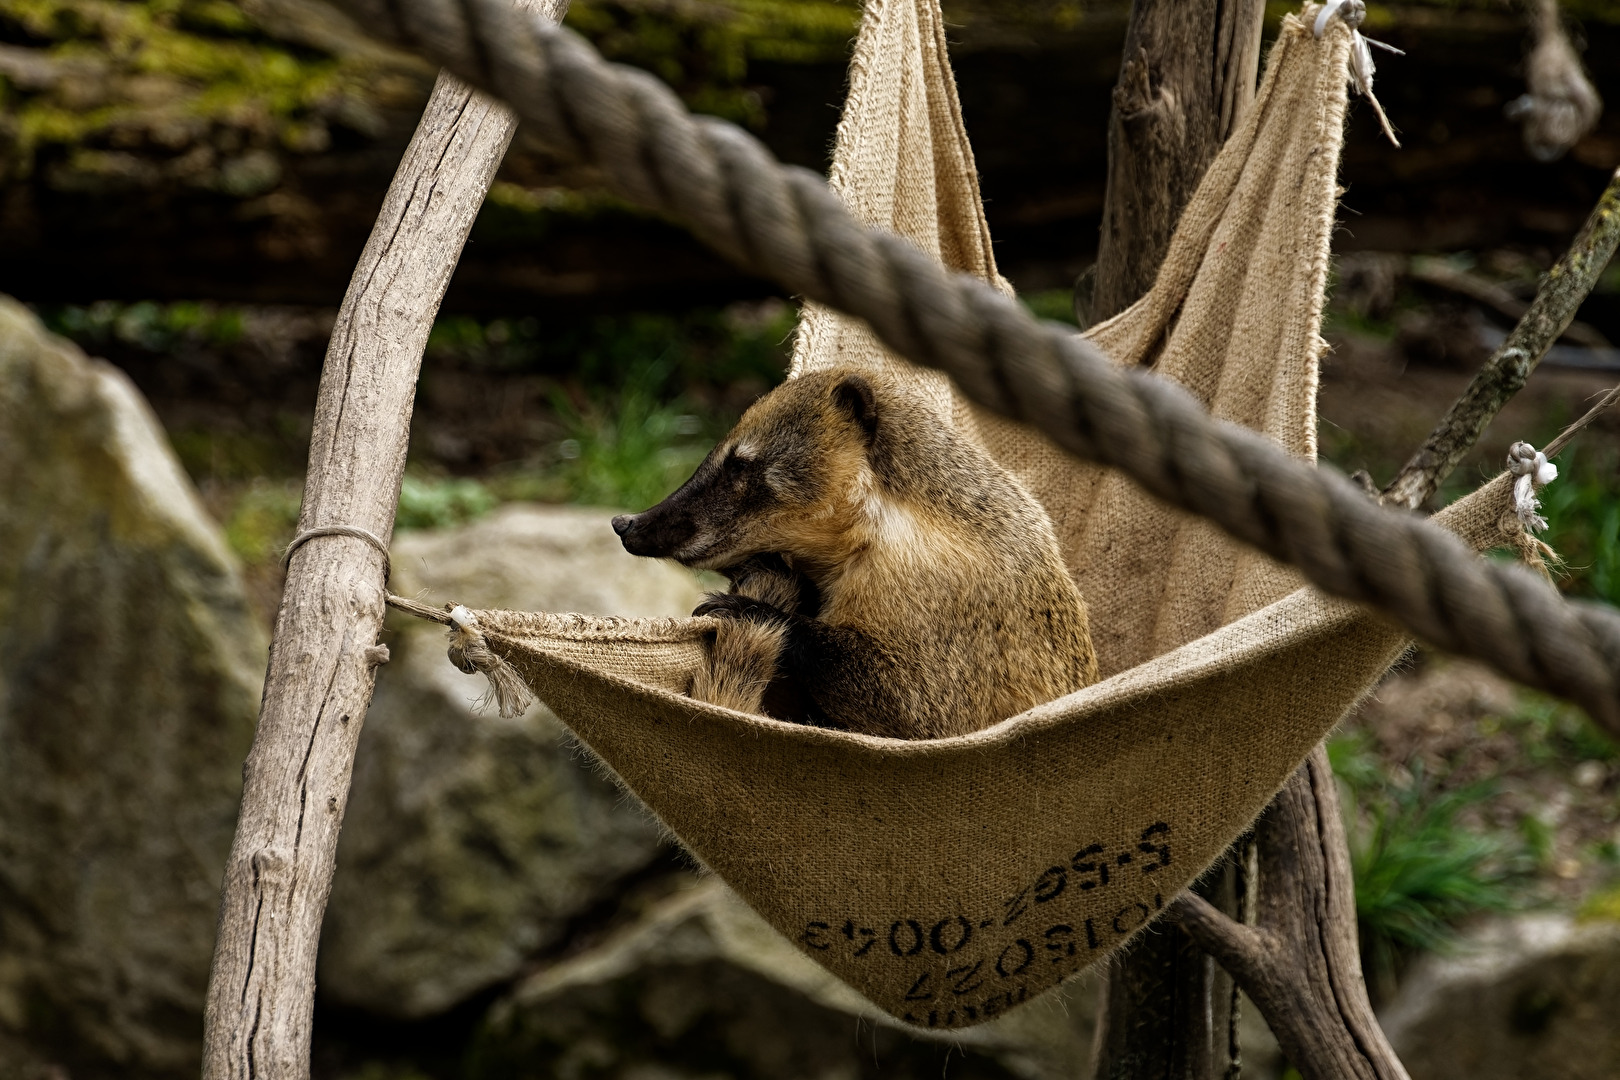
<point>888,576</point>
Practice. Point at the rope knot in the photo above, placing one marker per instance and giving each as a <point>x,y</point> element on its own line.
<point>1353,13</point>
<point>1532,472</point>
<point>469,650</point>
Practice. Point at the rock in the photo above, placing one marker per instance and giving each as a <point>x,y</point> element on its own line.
<point>471,842</point>
<point>130,673</point>
<point>1535,995</point>
<point>702,987</point>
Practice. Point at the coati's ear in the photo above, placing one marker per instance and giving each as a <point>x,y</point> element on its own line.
<point>854,395</point>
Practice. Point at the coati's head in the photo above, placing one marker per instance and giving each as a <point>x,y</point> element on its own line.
<point>790,478</point>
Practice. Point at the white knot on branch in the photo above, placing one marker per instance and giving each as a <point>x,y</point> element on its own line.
<point>1531,472</point>
<point>1362,68</point>
<point>470,652</point>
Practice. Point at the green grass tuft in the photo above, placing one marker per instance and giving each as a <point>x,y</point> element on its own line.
<point>627,448</point>
<point>1554,732</point>
<point>1419,870</point>
<point>435,503</point>
<point>1583,509</point>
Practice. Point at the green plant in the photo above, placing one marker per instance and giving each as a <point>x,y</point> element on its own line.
<point>1583,509</point>
<point>146,325</point>
<point>261,522</point>
<point>1054,304</point>
<point>703,349</point>
<point>1419,870</point>
<point>625,447</point>
<point>630,452</point>
<point>435,502</point>
<point>1554,732</point>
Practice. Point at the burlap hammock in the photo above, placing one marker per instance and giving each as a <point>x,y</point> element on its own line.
<point>951,880</point>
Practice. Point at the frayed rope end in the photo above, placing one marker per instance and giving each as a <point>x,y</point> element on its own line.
<point>470,652</point>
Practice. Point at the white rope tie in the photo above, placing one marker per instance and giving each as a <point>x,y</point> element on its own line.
<point>1532,472</point>
<point>353,531</point>
<point>470,651</point>
<point>1354,12</point>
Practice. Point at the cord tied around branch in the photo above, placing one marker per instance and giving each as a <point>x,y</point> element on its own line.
<point>352,531</point>
<point>1531,472</point>
<point>470,652</point>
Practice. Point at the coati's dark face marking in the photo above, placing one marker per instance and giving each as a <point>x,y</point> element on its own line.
<point>784,480</point>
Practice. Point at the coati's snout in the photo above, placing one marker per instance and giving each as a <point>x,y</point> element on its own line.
<point>787,461</point>
<point>705,521</point>
<point>659,533</point>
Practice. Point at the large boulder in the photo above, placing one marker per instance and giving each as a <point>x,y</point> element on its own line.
<point>701,986</point>
<point>471,842</point>
<point>130,672</point>
<point>1535,995</point>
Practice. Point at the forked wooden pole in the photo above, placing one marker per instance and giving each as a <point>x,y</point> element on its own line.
<point>324,654</point>
<point>1301,963</point>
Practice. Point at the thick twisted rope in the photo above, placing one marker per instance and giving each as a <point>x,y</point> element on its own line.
<point>785,224</point>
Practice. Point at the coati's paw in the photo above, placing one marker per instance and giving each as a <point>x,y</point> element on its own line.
<point>738,606</point>
<point>768,577</point>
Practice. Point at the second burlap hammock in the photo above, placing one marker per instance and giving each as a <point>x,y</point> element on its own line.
<point>951,880</point>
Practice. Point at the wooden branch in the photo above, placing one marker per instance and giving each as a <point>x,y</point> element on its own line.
<point>1300,964</point>
<point>1561,293</point>
<point>1440,274</point>
<point>323,655</point>
<point>1167,1009</point>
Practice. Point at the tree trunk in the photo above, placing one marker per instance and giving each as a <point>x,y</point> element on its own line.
<point>1168,1009</point>
<point>1189,71</point>
<point>324,655</point>
<point>1301,962</point>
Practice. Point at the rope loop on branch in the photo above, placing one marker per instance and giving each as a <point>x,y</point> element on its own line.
<point>353,531</point>
<point>786,224</point>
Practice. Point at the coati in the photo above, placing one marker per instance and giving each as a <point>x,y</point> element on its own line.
<point>888,576</point>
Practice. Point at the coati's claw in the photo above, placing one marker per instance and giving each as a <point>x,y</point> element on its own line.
<point>737,606</point>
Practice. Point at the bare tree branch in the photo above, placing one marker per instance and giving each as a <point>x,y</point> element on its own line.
<point>323,656</point>
<point>1442,275</point>
<point>1234,946</point>
<point>1566,285</point>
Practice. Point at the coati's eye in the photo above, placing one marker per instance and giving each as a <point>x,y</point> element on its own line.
<point>738,459</point>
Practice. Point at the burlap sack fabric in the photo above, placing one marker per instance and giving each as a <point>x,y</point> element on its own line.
<point>951,880</point>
